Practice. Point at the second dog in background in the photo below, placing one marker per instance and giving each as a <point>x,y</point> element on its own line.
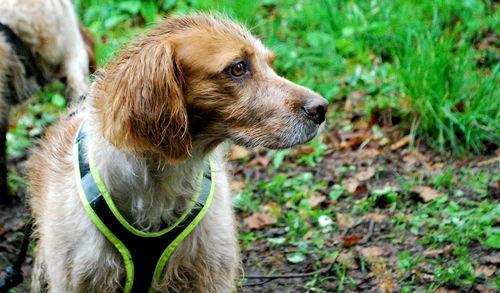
<point>40,41</point>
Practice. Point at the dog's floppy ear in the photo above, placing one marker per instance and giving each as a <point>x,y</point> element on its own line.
<point>143,109</point>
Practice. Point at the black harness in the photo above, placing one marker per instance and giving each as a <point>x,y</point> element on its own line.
<point>144,254</point>
<point>25,56</point>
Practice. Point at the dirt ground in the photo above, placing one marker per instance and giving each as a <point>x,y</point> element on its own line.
<point>367,233</point>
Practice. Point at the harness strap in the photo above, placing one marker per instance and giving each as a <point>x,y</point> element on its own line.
<point>24,54</point>
<point>142,252</point>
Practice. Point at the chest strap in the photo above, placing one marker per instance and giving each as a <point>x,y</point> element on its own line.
<point>144,253</point>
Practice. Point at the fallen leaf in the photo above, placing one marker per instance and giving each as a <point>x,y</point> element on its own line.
<point>258,220</point>
<point>350,184</point>
<point>350,240</point>
<point>347,259</point>
<point>369,253</point>
<point>304,150</point>
<point>487,271</point>
<point>361,190</point>
<point>436,166</point>
<point>383,141</point>
<point>427,193</point>
<point>387,286</point>
<point>493,258</point>
<point>316,200</point>
<point>272,208</point>
<point>366,174</point>
<point>345,221</point>
<point>369,153</point>
<point>377,218</point>
<point>489,161</point>
<point>262,161</point>
<point>483,288</point>
<point>238,152</point>
<point>436,252</point>
<point>352,139</point>
<point>356,95</point>
<point>428,278</point>
<point>355,141</point>
<point>400,143</point>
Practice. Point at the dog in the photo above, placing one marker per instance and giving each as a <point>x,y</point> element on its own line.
<point>40,41</point>
<point>152,118</point>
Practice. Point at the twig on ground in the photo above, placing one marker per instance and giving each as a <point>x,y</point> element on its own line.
<point>352,227</point>
<point>257,283</point>
<point>290,276</point>
<point>369,234</point>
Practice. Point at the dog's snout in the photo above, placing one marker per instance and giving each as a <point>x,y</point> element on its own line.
<point>315,109</point>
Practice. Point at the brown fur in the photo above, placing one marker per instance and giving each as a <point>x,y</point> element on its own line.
<point>155,114</point>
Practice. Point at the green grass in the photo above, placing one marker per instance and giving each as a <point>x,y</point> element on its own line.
<point>421,52</point>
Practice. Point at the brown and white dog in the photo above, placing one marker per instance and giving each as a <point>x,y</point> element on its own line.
<point>153,116</point>
<point>40,41</point>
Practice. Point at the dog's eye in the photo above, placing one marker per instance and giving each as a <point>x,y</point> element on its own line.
<point>238,69</point>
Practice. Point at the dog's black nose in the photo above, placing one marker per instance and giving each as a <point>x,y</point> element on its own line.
<point>315,109</point>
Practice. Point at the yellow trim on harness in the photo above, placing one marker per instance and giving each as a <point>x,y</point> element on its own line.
<point>120,246</point>
<point>127,257</point>
<point>168,251</point>
<point>105,193</point>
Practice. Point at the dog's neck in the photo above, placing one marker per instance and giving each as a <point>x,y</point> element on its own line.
<point>147,196</point>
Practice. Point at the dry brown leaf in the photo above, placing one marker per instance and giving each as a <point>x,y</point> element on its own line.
<point>384,141</point>
<point>356,95</point>
<point>350,184</point>
<point>352,139</point>
<point>238,185</point>
<point>493,258</point>
<point>258,220</point>
<point>316,200</point>
<point>487,271</point>
<point>489,161</point>
<point>366,174</point>
<point>361,190</point>
<point>370,253</point>
<point>427,193</point>
<point>347,259</point>
<point>435,252</point>
<point>345,221</point>
<point>369,153</point>
<point>262,160</point>
<point>238,152</point>
<point>377,218</point>
<point>400,143</point>
<point>304,150</point>
<point>272,208</point>
<point>387,286</point>
<point>355,141</point>
<point>483,288</point>
<point>436,166</point>
<point>350,240</point>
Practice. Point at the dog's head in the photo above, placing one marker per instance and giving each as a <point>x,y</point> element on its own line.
<point>198,80</point>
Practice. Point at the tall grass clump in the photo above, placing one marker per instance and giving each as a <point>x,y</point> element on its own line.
<point>455,104</point>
